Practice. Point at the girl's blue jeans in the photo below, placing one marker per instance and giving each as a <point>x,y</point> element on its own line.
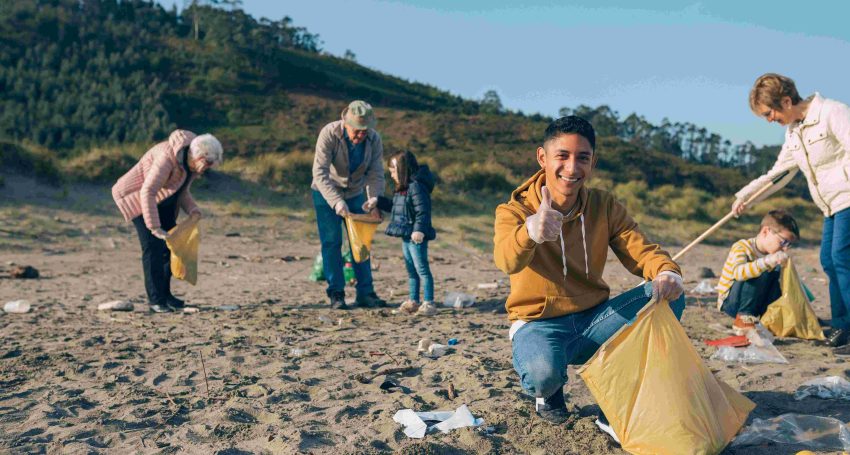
<point>418,270</point>
<point>835,259</point>
<point>542,349</point>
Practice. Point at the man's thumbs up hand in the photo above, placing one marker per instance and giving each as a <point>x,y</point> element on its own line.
<point>545,225</point>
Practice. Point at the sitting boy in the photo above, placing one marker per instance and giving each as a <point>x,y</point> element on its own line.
<point>552,238</point>
<point>750,278</point>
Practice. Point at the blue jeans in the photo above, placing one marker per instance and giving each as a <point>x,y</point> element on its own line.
<point>835,259</point>
<point>330,234</point>
<point>542,349</point>
<point>416,261</point>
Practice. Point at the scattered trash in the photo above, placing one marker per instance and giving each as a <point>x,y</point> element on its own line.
<point>228,307</point>
<point>814,432</point>
<point>191,309</point>
<point>437,350</point>
<point>705,272</point>
<point>831,387</point>
<point>760,349</point>
<point>116,305</point>
<point>452,341</point>
<point>415,425</point>
<point>17,306</point>
<point>24,272</point>
<point>297,352</point>
<point>423,345</point>
<point>325,320</point>
<point>317,273</point>
<point>704,287</point>
<point>459,300</point>
<point>291,258</point>
<point>488,285</point>
<point>232,234</point>
<point>388,385</point>
<point>451,392</point>
<point>734,341</point>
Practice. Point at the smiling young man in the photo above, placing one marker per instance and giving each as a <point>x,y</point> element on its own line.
<point>552,238</point>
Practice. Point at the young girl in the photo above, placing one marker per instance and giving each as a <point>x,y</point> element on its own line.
<point>410,219</point>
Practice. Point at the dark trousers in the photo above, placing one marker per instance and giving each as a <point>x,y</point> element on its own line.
<point>156,257</point>
<point>752,297</point>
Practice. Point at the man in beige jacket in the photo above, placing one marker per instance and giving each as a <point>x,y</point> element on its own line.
<point>348,177</point>
<point>817,142</point>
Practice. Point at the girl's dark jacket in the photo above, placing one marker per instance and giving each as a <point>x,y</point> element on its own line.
<point>410,211</point>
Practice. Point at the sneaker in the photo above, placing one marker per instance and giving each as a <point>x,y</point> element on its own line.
<point>842,351</point>
<point>554,408</point>
<point>427,309</point>
<point>175,303</point>
<point>338,300</point>
<point>744,323</point>
<point>409,306</point>
<point>370,300</point>
<point>602,423</point>
<point>157,308</point>
<point>837,337</point>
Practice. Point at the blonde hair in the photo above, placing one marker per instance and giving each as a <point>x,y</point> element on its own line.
<point>769,89</point>
<point>206,146</point>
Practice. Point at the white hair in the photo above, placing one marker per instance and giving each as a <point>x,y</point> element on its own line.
<point>206,146</point>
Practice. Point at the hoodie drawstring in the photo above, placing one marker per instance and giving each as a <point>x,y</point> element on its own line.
<point>584,244</point>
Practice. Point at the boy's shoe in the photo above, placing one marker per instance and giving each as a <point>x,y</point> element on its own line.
<point>427,309</point>
<point>838,337</point>
<point>370,300</point>
<point>409,306</point>
<point>602,423</point>
<point>554,408</point>
<point>338,300</point>
<point>842,351</point>
<point>744,323</point>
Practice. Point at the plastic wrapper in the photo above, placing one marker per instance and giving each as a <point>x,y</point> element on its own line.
<point>458,300</point>
<point>791,315</point>
<point>183,241</point>
<point>760,349</point>
<point>361,229</point>
<point>415,425</point>
<point>657,393</point>
<point>814,432</point>
<point>704,288</point>
<point>831,387</point>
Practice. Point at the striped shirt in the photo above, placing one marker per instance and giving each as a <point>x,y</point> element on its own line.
<point>744,262</point>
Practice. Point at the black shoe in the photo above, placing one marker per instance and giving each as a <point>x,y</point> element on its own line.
<point>370,300</point>
<point>554,409</point>
<point>837,337</point>
<point>157,308</point>
<point>175,303</point>
<point>338,300</point>
<point>842,351</point>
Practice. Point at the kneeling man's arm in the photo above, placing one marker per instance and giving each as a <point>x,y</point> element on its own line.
<point>635,251</point>
<point>513,249</point>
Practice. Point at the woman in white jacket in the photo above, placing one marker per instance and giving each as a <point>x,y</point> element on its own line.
<point>817,142</point>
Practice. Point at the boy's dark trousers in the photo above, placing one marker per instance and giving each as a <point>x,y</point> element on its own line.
<point>753,296</point>
<point>156,257</point>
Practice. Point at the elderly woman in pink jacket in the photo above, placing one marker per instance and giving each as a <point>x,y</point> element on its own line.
<point>151,194</point>
<point>817,143</point>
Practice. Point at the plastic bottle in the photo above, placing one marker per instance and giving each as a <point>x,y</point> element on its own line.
<point>348,269</point>
<point>17,306</point>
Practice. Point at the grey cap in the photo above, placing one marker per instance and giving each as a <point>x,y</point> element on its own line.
<point>359,115</point>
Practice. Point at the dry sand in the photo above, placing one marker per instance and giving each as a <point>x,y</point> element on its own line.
<point>75,380</point>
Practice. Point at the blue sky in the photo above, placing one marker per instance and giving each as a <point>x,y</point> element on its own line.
<point>687,61</point>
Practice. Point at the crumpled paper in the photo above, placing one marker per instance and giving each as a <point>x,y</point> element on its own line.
<point>415,426</point>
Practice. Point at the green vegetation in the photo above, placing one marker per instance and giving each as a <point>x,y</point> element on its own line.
<point>88,86</point>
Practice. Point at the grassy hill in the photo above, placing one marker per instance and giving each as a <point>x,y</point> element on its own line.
<point>89,86</point>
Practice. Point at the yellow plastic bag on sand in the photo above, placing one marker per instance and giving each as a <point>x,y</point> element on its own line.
<point>656,392</point>
<point>361,228</point>
<point>791,315</point>
<point>183,241</point>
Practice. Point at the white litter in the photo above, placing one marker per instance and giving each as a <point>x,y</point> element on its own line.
<point>17,306</point>
<point>458,300</point>
<point>760,350</point>
<point>116,305</point>
<point>830,387</point>
<point>704,287</point>
<point>415,425</point>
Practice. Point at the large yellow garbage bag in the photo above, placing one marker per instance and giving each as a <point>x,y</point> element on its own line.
<point>656,392</point>
<point>361,229</point>
<point>183,241</point>
<point>791,315</point>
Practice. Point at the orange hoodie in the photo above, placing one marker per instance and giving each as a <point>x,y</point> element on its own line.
<point>562,277</point>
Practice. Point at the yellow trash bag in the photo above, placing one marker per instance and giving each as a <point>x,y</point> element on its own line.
<point>361,228</point>
<point>791,315</point>
<point>656,392</point>
<point>183,241</point>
